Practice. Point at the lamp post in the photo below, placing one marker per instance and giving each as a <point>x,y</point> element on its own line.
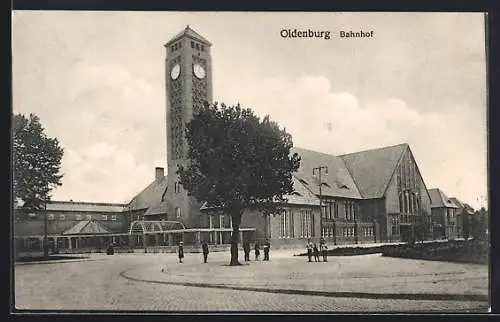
<point>45,229</point>
<point>320,170</point>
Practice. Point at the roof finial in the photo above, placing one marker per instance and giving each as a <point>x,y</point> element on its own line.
<point>187,26</point>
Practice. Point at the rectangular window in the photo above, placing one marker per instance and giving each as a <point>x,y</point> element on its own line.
<point>50,217</point>
<point>192,44</point>
<point>230,221</point>
<point>210,221</point>
<point>336,210</point>
<point>62,217</point>
<point>104,217</point>
<point>78,217</point>
<point>221,221</point>
<point>178,212</point>
<point>113,217</point>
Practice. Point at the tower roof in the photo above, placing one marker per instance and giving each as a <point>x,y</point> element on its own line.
<point>190,33</point>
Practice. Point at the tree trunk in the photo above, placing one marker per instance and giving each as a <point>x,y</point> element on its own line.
<point>236,216</point>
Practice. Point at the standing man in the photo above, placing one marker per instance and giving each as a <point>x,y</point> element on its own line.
<point>181,251</point>
<point>309,250</point>
<point>266,250</point>
<point>324,249</point>
<point>257,250</point>
<point>204,247</point>
<point>246,249</point>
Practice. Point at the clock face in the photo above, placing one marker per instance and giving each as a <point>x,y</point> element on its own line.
<point>199,71</point>
<point>175,72</point>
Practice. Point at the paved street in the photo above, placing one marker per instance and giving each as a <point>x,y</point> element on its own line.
<point>286,283</point>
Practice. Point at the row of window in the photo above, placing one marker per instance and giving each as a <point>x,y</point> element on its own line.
<point>81,217</point>
<point>211,220</point>
<point>409,202</point>
<point>286,224</point>
<point>331,210</point>
<point>194,45</point>
<point>347,231</point>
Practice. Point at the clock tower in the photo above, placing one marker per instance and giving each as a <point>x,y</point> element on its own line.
<point>188,67</point>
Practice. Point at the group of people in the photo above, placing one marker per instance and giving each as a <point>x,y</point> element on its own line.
<point>266,247</point>
<point>204,248</point>
<point>246,250</point>
<point>314,251</point>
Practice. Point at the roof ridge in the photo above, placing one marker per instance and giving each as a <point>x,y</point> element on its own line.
<point>352,177</point>
<point>394,170</point>
<point>87,203</point>
<point>374,149</point>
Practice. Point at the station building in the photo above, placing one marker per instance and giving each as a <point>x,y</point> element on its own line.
<point>370,196</point>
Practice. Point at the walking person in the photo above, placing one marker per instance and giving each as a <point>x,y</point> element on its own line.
<point>204,248</point>
<point>257,251</point>
<point>181,251</point>
<point>246,249</point>
<point>324,250</point>
<point>316,253</point>
<point>309,251</point>
<point>266,250</point>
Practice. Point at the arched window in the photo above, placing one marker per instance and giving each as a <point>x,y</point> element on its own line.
<point>178,212</point>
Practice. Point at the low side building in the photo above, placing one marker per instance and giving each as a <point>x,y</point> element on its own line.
<point>444,212</point>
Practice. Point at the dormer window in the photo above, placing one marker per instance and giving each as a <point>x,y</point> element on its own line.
<point>344,186</point>
<point>325,184</point>
<point>303,181</point>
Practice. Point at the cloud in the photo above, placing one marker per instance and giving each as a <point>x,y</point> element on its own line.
<point>114,133</point>
<point>444,143</point>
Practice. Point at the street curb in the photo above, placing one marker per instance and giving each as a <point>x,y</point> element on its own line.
<point>361,295</point>
<point>59,261</point>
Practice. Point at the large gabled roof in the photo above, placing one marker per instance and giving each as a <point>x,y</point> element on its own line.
<point>337,183</point>
<point>87,227</point>
<point>190,33</point>
<point>150,196</point>
<point>373,169</point>
<point>439,199</point>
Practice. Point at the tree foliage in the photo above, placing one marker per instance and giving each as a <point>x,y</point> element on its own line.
<point>238,161</point>
<point>36,162</point>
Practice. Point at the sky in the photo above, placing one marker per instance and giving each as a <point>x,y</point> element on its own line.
<point>97,82</point>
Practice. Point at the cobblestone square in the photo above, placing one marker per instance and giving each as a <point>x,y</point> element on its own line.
<point>285,283</point>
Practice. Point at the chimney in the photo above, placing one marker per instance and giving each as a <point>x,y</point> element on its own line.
<point>159,174</point>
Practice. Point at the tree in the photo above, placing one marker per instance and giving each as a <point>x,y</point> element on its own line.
<point>479,224</point>
<point>37,161</point>
<point>237,162</point>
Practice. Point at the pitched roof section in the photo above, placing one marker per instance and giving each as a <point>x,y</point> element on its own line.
<point>85,206</point>
<point>87,227</point>
<point>190,33</point>
<point>162,208</point>
<point>302,195</point>
<point>150,196</point>
<point>439,199</point>
<point>372,170</point>
<point>337,183</point>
